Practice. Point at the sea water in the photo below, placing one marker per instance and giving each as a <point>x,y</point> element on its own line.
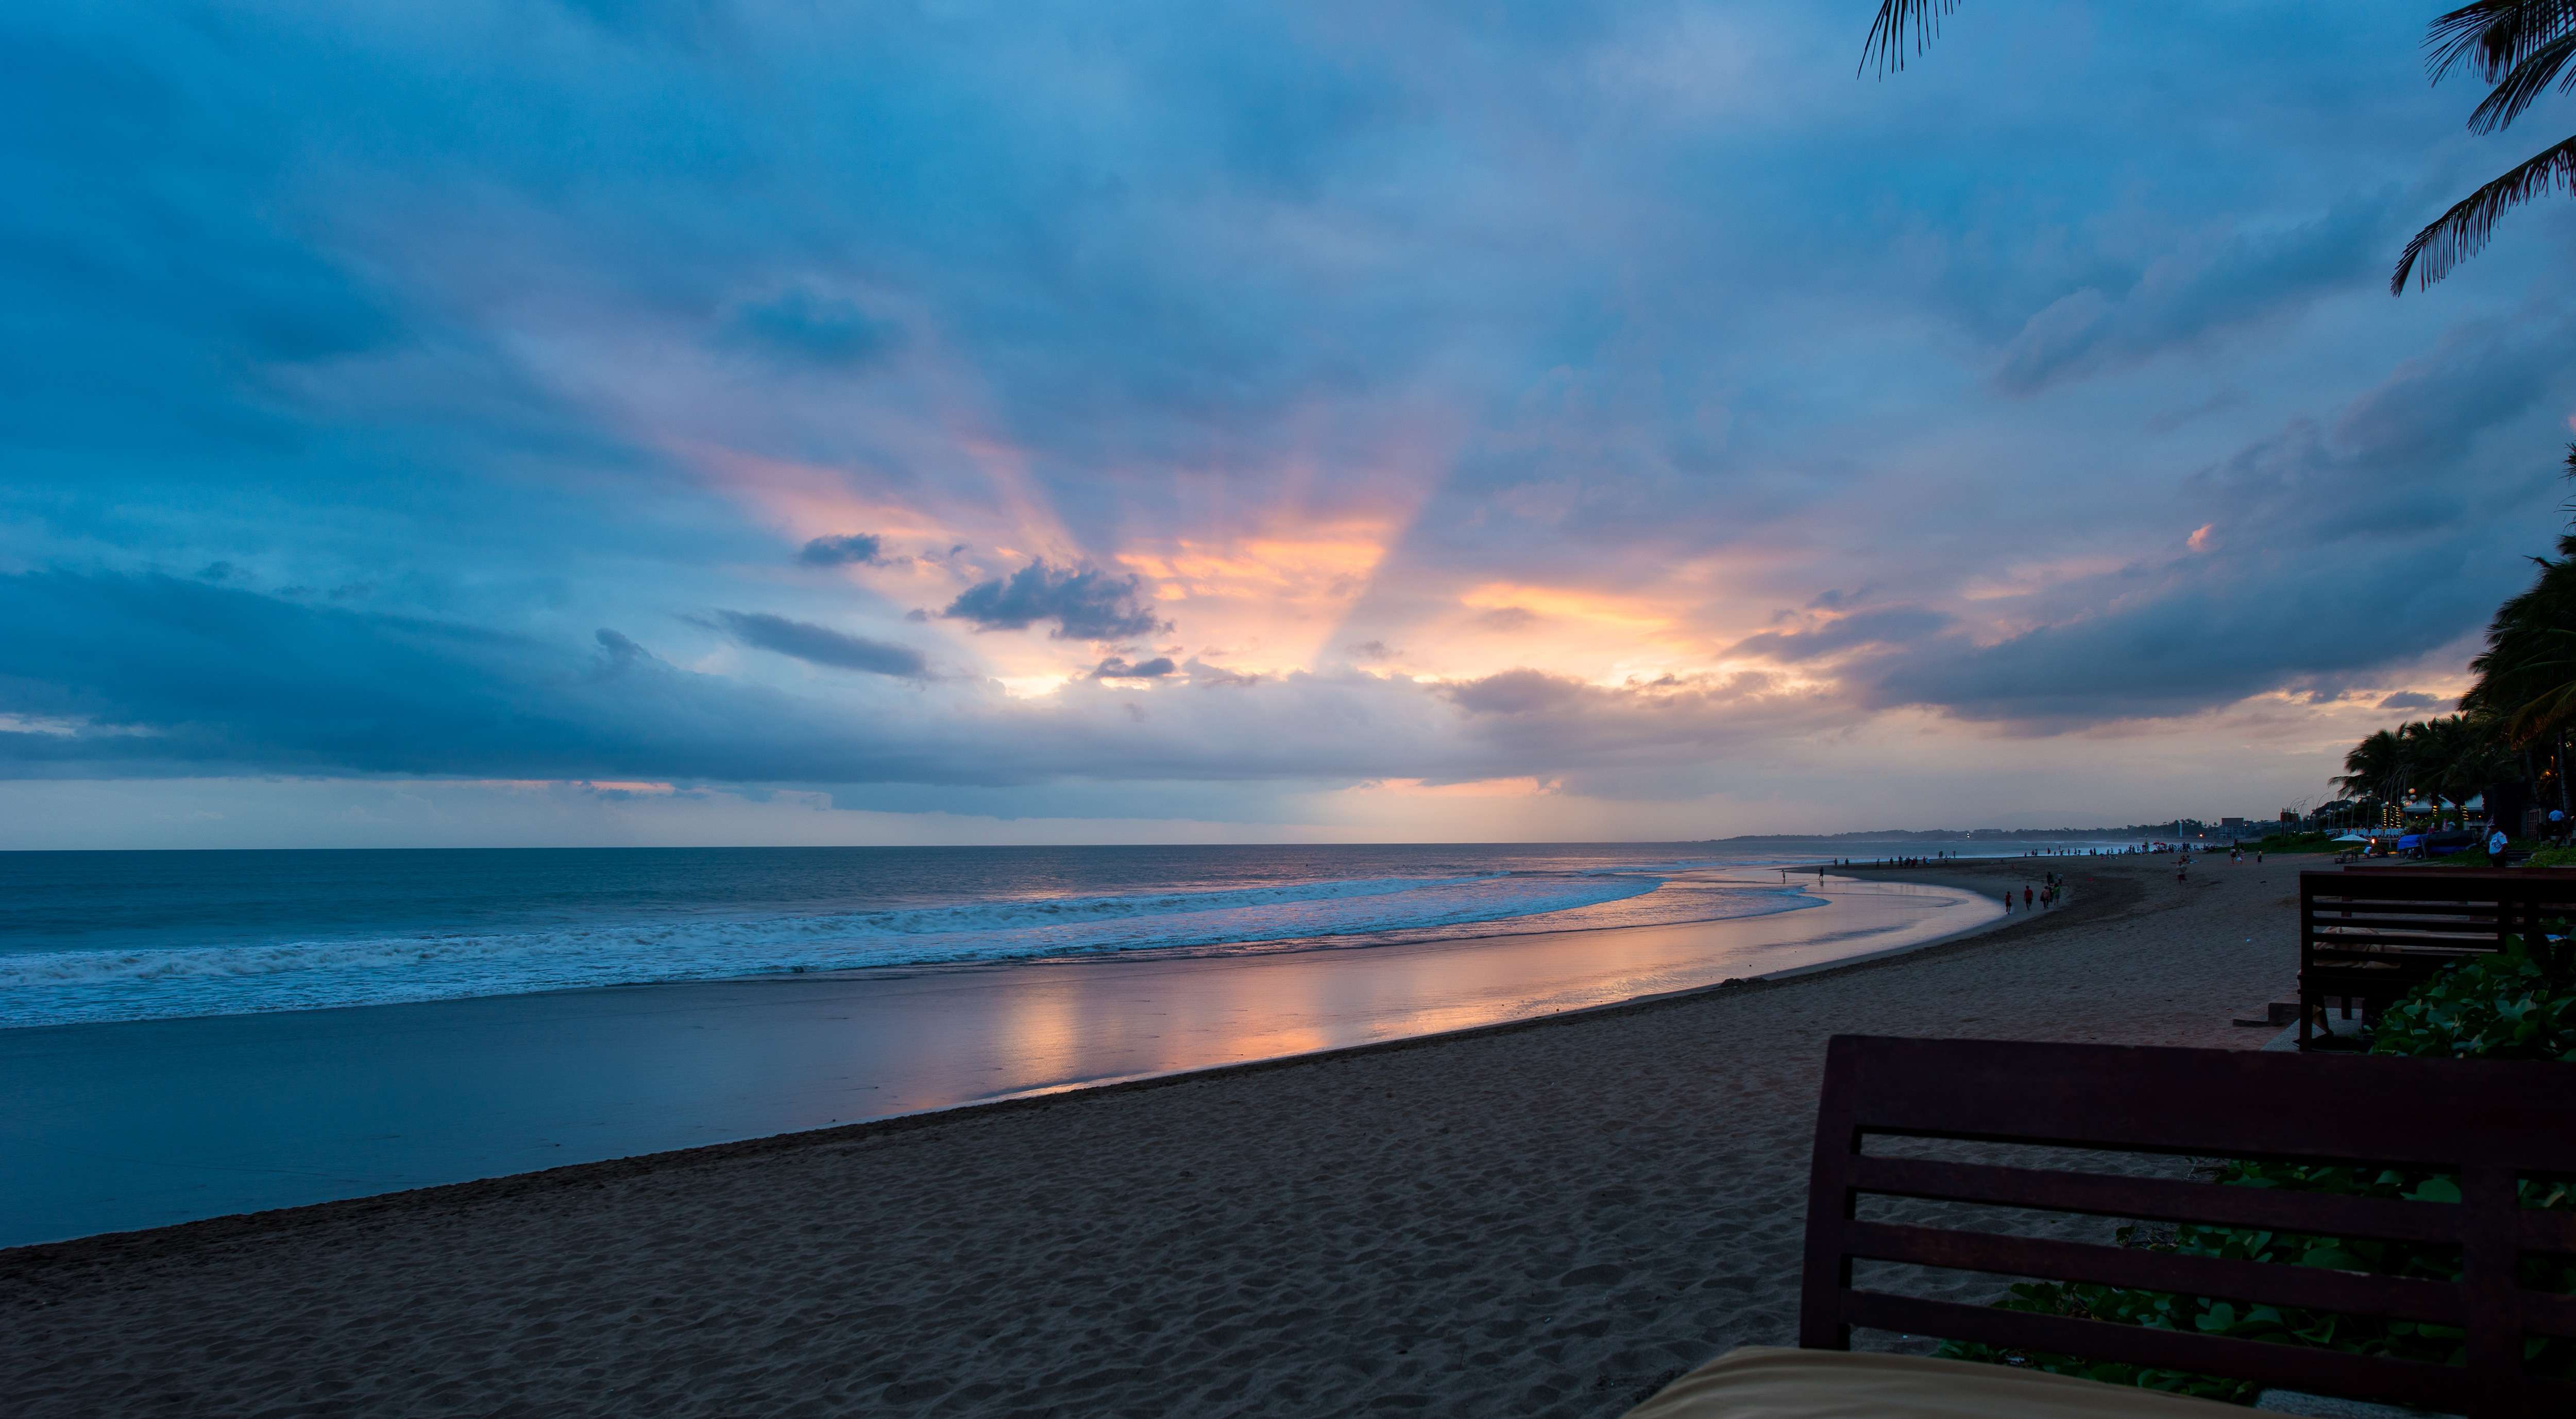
<point>93,937</point>
<point>192,1066</point>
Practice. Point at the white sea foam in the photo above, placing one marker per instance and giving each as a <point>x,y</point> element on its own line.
<point>79,986</point>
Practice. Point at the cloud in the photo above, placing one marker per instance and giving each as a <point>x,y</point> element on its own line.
<point>618,651</point>
<point>1515,692</point>
<point>151,675</point>
<point>1115,668</point>
<point>1212,676</point>
<point>1506,619</point>
<point>800,327</point>
<point>2190,295</point>
<point>821,645</point>
<point>2368,556</point>
<point>844,549</point>
<point>1892,625</point>
<point>2410,700</point>
<point>333,299</point>
<point>1085,603</point>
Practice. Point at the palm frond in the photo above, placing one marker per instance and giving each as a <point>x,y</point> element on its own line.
<point>2528,80</point>
<point>2494,36</point>
<point>1886,42</point>
<point>2463,231</point>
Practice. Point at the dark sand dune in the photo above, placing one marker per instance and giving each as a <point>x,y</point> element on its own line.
<point>1549,1218</point>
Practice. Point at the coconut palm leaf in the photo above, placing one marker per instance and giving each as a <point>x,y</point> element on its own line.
<point>2494,37</point>
<point>1886,42</point>
<point>2463,231</point>
<point>2527,81</point>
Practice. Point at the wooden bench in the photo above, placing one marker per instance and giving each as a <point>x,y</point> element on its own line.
<point>2484,1122</point>
<point>2368,935</point>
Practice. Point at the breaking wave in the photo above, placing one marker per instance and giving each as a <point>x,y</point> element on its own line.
<point>84,986</point>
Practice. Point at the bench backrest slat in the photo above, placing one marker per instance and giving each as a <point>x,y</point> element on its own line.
<point>2373,933</point>
<point>2485,1123</point>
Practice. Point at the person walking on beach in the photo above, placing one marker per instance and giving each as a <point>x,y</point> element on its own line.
<point>2025,896</point>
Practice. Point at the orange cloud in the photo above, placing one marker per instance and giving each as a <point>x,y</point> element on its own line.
<point>1273,598</point>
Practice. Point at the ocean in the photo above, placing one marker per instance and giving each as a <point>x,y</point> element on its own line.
<point>188,1034</point>
<point>94,937</point>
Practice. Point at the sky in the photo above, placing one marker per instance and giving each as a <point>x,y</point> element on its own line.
<point>694,422</point>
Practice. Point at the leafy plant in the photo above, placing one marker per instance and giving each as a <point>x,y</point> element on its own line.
<point>2509,1004</point>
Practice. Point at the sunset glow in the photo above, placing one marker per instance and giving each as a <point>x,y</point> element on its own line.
<point>1260,433</point>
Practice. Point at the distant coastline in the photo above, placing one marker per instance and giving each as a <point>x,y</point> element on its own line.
<point>1880,835</point>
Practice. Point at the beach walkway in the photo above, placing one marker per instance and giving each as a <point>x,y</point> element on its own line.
<point>1550,1219</point>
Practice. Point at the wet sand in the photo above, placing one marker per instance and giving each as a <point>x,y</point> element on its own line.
<point>1542,1218</point>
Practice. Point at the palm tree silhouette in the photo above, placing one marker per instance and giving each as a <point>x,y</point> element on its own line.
<point>2376,768</point>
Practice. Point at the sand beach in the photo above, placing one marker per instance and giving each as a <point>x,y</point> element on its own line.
<point>1544,1218</point>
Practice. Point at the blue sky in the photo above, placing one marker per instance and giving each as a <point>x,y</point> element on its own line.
<point>681,422</point>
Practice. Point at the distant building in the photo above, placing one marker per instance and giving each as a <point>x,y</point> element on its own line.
<point>2231,822</point>
<point>2289,815</point>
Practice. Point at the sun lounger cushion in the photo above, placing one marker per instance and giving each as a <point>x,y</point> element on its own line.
<point>1760,1382</point>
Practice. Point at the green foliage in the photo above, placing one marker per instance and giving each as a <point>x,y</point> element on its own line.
<point>2553,857</point>
<point>2509,1004</point>
<point>2514,1004</point>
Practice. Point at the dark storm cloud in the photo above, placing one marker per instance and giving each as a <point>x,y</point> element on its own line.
<point>861,548</point>
<point>821,645</point>
<point>2409,700</point>
<point>1085,603</point>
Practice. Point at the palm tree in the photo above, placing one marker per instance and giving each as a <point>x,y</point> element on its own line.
<point>2472,757</point>
<point>2518,46</point>
<point>2376,768</point>
<point>2526,677</point>
<point>2446,761</point>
